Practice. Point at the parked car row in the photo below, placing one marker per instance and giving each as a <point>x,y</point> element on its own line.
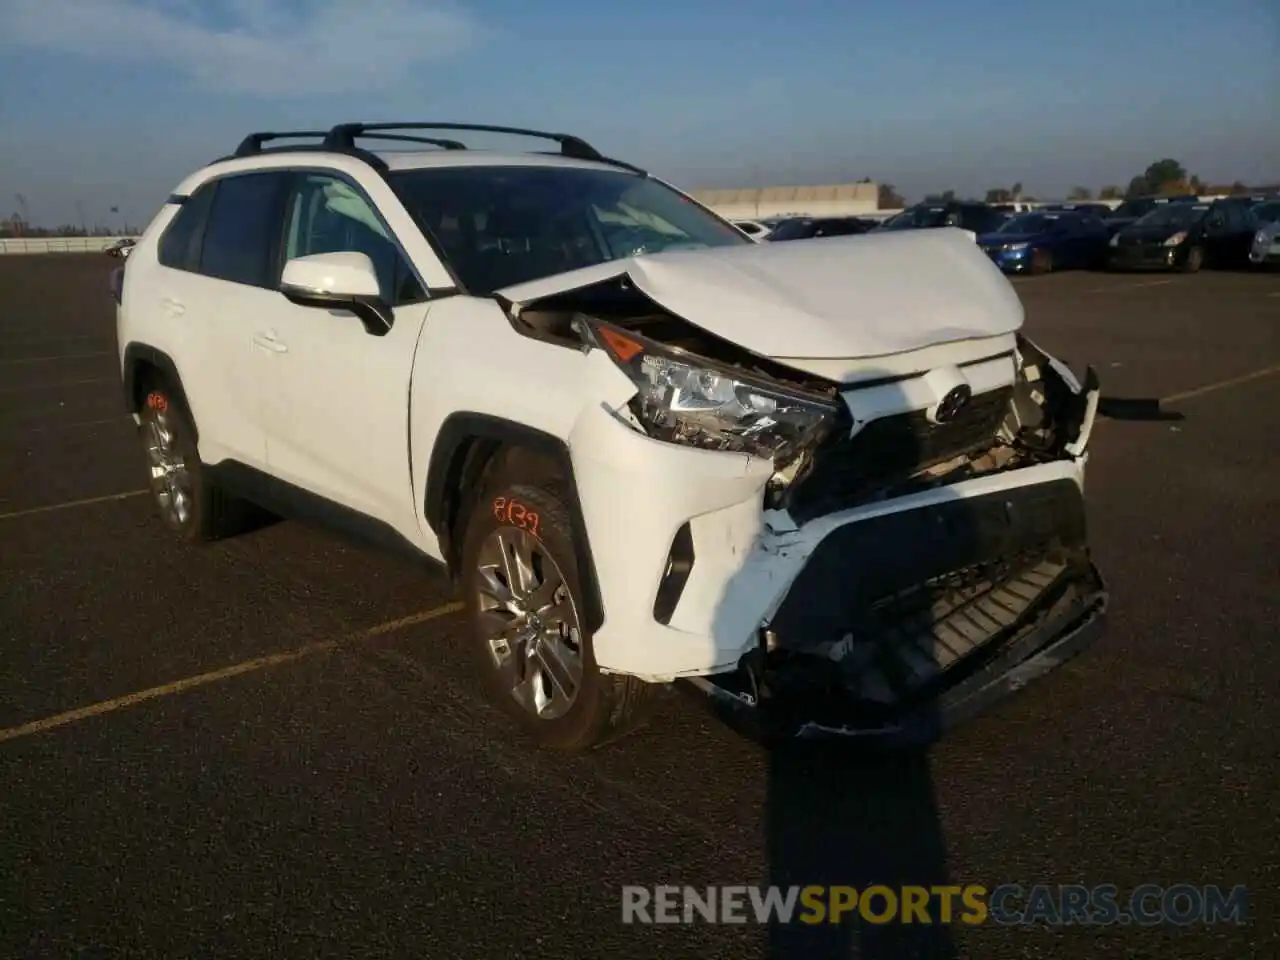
<point>1143,233</point>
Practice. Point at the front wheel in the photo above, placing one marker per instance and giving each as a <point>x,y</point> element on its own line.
<point>1041,261</point>
<point>1194,260</point>
<point>523,592</point>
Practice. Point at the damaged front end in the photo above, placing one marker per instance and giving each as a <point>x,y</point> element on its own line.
<point>902,619</point>
<point>902,624</point>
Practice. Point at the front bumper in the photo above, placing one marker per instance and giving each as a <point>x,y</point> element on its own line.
<point>830,711</point>
<point>1265,253</point>
<point>1143,257</point>
<point>904,625</point>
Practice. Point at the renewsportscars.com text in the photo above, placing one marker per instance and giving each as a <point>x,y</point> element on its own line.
<point>1013,904</point>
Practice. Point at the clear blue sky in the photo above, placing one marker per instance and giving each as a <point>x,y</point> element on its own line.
<point>110,102</point>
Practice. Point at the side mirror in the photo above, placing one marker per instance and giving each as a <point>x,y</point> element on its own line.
<point>338,281</point>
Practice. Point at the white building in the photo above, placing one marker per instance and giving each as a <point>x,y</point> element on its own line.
<point>837,200</point>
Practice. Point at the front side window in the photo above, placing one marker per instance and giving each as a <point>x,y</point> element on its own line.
<point>326,214</point>
<point>244,224</point>
<point>1265,213</point>
<point>497,226</point>
<point>920,216</point>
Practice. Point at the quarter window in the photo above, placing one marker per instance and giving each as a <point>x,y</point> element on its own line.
<point>180,246</point>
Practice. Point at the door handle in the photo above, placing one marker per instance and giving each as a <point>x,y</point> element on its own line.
<point>173,307</point>
<point>268,341</point>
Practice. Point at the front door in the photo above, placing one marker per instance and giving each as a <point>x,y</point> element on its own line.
<point>336,403</point>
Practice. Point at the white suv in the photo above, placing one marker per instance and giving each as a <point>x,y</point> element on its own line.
<point>829,482</point>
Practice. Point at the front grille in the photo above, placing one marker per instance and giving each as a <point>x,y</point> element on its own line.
<point>889,450</point>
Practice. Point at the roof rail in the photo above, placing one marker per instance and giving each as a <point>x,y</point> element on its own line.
<point>342,137</point>
<point>435,141</point>
<point>252,144</point>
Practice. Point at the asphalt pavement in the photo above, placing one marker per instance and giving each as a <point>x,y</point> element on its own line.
<point>271,746</point>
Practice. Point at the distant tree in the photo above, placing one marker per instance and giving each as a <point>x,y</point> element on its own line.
<point>889,198</point>
<point>1080,193</point>
<point>1163,171</point>
<point>999,195</point>
<point>1177,188</point>
<point>1137,187</point>
<point>1238,187</point>
<point>946,196</point>
<point>1111,192</point>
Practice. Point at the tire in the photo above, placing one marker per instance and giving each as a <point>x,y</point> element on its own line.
<point>1194,260</point>
<point>188,503</point>
<point>516,672</point>
<point>1041,262</point>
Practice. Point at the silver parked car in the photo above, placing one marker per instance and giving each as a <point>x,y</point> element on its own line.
<point>1266,242</point>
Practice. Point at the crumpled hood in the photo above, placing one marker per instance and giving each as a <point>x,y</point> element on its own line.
<point>844,297</point>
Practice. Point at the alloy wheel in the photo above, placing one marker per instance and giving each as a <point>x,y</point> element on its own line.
<point>170,479</point>
<point>529,622</point>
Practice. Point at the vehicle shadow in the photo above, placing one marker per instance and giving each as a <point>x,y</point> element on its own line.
<point>849,811</point>
<point>1136,408</point>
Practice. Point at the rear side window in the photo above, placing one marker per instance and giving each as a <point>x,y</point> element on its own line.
<point>179,248</point>
<point>244,227</point>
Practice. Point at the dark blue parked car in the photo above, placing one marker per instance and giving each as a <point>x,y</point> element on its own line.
<point>1040,242</point>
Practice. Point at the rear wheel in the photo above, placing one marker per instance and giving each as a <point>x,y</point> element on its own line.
<point>523,592</point>
<point>185,498</point>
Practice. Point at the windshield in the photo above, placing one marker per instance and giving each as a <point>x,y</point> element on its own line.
<point>1266,212</point>
<point>1032,223</point>
<point>792,230</point>
<point>1174,215</point>
<point>921,215</point>
<point>1135,208</point>
<point>502,225</point>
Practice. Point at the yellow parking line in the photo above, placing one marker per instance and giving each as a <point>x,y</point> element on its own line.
<point>1221,385</point>
<point>213,676</point>
<point>58,385</point>
<point>74,424</point>
<point>50,507</point>
<point>1120,288</point>
<point>70,356</point>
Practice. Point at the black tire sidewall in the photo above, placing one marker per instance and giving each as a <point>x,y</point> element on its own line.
<point>588,716</point>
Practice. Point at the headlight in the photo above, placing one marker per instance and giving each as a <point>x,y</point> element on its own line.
<point>686,399</point>
<point>1260,237</point>
<point>1176,239</point>
<point>1115,240</point>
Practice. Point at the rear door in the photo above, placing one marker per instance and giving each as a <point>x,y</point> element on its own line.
<point>1221,226</point>
<point>218,283</point>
